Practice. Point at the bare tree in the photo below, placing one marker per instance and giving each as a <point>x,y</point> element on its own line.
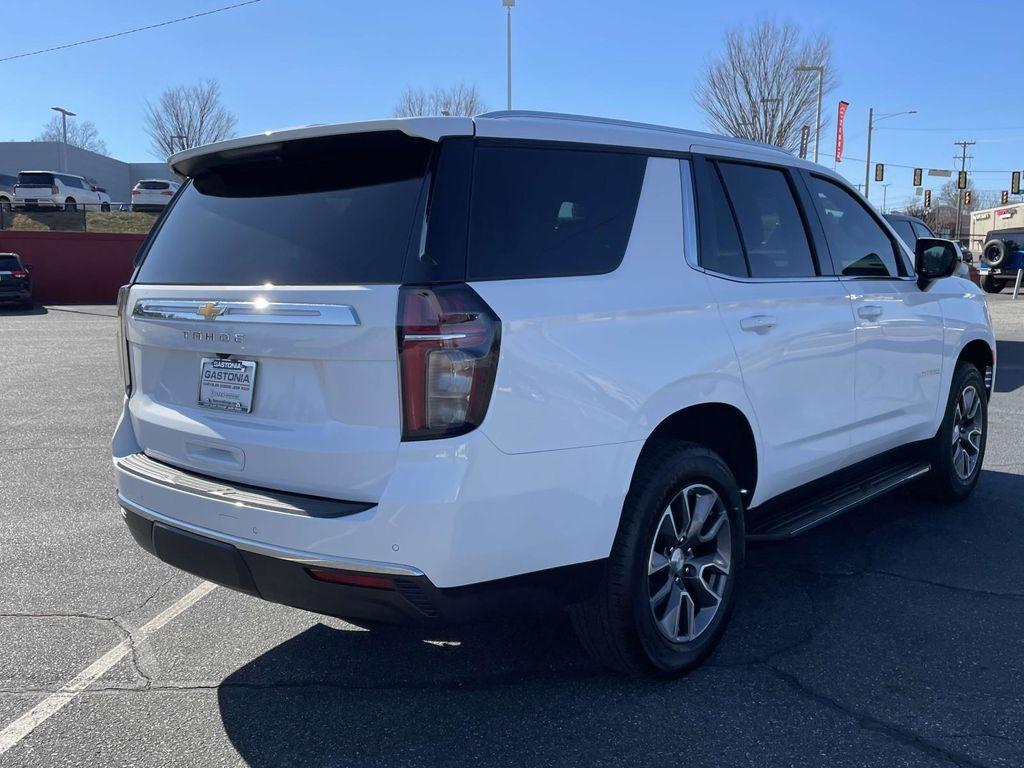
<point>188,116</point>
<point>460,99</point>
<point>82,134</point>
<point>753,90</point>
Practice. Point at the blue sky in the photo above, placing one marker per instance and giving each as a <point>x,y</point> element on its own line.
<point>291,62</point>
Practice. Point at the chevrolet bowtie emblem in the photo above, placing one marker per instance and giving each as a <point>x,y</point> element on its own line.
<point>210,310</point>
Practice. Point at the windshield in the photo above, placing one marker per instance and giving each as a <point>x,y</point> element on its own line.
<point>328,211</point>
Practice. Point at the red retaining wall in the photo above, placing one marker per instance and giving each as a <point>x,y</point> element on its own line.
<point>74,267</point>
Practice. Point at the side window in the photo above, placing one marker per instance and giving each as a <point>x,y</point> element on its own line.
<point>773,230</point>
<point>922,231</point>
<point>721,250</point>
<point>904,230</point>
<point>859,245</point>
<point>551,212</point>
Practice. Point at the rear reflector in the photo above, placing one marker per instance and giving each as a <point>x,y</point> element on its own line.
<point>368,580</point>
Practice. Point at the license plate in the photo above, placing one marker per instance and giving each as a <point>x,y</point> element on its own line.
<point>227,384</point>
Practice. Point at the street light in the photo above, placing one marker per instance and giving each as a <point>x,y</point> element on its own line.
<point>509,5</point>
<point>871,126</point>
<point>821,92</point>
<point>885,191</point>
<point>64,115</point>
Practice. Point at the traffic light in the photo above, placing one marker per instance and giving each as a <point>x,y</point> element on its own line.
<point>1015,182</point>
<point>1004,198</point>
<point>879,172</point>
<point>961,180</point>
<point>917,176</point>
<point>967,197</point>
<point>927,198</point>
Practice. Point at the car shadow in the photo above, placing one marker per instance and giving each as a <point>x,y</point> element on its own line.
<point>35,309</point>
<point>522,692</point>
<point>1009,365</point>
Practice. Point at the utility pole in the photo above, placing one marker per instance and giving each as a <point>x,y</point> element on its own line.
<point>871,128</point>
<point>509,4</point>
<point>885,192</point>
<point>959,192</point>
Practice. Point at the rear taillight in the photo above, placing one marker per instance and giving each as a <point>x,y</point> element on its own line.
<point>53,189</point>
<point>167,193</point>
<point>448,341</point>
<point>136,191</point>
<point>122,338</point>
<point>19,273</point>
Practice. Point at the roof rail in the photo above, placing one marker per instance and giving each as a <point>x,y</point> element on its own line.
<point>513,113</point>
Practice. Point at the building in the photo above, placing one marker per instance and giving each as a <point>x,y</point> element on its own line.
<point>989,219</point>
<point>115,176</point>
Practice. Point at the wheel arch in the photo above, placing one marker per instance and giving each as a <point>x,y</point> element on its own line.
<point>981,356</point>
<point>718,426</point>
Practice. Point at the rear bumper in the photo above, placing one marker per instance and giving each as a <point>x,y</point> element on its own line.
<point>19,295</point>
<point>401,598</point>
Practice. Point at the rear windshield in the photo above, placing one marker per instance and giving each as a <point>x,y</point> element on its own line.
<point>323,211</point>
<point>35,179</point>
<point>153,185</point>
<point>9,264</point>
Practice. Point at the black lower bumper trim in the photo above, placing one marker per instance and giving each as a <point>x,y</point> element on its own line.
<point>414,599</point>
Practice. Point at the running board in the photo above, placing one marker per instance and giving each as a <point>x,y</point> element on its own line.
<point>789,520</point>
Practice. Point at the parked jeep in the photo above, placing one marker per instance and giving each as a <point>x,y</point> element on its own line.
<point>1002,257</point>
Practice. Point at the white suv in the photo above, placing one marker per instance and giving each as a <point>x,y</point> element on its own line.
<point>437,369</point>
<point>58,191</point>
<point>153,194</point>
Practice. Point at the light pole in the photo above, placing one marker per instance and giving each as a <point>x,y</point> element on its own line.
<point>509,5</point>
<point>821,92</point>
<point>885,191</point>
<point>871,127</point>
<point>64,115</point>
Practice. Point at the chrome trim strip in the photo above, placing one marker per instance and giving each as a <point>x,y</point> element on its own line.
<point>245,312</point>
<point>281,553</point>
<point>433,336</point>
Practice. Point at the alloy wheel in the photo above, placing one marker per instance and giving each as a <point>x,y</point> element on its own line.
<point>689,562</point>
<point>968,423</point>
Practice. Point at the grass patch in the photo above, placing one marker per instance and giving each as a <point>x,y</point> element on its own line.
<point>74,221</point>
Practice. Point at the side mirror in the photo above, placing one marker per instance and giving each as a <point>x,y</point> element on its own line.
<point>935,259</point>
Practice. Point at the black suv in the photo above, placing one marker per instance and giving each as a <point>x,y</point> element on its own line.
<point>15,281</point>
<point>1002,257</point>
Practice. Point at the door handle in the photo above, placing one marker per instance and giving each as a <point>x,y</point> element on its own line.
<point>870,311</point>
<point>758,323</point>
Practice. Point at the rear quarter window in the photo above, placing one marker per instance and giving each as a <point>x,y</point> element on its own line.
<point>540,212</point>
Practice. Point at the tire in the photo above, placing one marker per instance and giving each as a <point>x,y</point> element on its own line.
<point>5,205</point>
<point>963,433</point>
<point>69,205</point>
<point>994,252</point>
<point>105,207</point>
<point>626,624</point>
<point>991,285</point>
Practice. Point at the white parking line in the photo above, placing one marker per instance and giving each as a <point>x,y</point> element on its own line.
<point>55,702</point>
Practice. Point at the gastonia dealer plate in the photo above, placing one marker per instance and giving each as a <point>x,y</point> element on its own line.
<point>227,384</point>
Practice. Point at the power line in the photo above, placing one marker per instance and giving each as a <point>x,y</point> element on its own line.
<point>129,31</point>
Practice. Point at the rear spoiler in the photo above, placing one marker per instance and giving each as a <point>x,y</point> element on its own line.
<point>193,161</point>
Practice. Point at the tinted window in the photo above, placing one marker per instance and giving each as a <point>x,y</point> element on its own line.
<point>35,179</point>
<point>921,230</point>
<point>317,212</point>
<point>721,250</point>
<point>6,181</point>
<point>773,231</point>
<point>9,264</point>
<point>904,230</point>
<point>858,244</point>
<point>548,212</point>
<point>153,185</point>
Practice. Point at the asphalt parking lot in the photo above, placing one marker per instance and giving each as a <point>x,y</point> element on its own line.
<point>892,637</point>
